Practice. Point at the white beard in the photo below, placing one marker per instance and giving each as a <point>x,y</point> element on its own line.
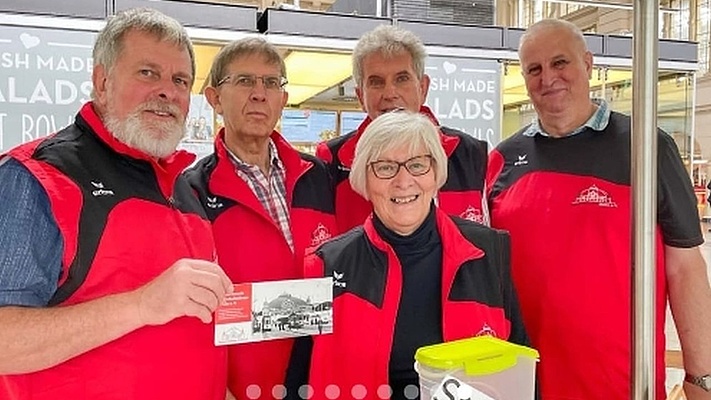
<point>157,139</point>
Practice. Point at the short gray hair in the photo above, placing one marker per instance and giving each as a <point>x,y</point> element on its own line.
<point>389,41</point>
<point>244,48</point>
<point>555,24</point>
<point>110,41</point>
<point>391,131</point>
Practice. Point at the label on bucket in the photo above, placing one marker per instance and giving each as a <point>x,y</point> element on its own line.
<point>452,388</point>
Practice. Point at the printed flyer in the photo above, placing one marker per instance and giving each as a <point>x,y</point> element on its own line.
<point>275,310</point>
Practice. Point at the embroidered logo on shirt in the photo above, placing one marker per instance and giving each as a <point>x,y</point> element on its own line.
<point>473,214</point>
<point>521,160</point>
<point>486,330</point>
<point>595,195</point>
<point>337,282</point>
<point>100,190</point>
<point>320,235</point>
<point>213,203</point>
<point>343,168</point>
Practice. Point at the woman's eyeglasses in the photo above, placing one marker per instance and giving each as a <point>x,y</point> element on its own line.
<point>416,166</point>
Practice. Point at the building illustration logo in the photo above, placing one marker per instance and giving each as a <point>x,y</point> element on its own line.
<point>320,235</point>
<point>473,214</point>
<point>595,195</point>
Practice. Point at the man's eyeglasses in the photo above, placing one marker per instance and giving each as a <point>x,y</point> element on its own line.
<point>416,166</point>
<point>247,81</point>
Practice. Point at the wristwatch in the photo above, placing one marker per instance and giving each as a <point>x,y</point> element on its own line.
<point>704,382</point>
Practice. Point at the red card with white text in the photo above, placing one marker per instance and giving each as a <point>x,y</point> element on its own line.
<point>237,306</point>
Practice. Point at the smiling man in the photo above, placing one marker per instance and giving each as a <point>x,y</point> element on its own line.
<point>103,295</point>
<point>389,72</point>
<point>267,201</point>
<point>567,208</point>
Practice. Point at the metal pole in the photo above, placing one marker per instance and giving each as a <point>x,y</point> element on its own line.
<point>644,196</point>
<point>693,20</point>
<point>690,81</point>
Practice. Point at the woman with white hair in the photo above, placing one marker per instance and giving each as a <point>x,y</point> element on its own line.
<point>411,275</point>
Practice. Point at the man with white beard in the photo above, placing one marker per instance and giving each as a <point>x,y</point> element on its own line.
<point>107,273</point>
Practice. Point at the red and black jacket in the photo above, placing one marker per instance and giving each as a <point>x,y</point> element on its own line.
<point>124,219</point>
<point>461,195</point>
<point>251,247</point>
<point>477,298</point>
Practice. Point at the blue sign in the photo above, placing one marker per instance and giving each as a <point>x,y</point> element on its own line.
<point>299,126</point>
<point>350,120</point>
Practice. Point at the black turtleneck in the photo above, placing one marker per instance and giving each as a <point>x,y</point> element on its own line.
<point>419,316</point>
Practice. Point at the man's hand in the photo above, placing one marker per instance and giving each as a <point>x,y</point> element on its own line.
<point>188,288</point>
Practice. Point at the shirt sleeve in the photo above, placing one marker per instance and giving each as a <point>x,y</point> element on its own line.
<point>677,213</point>
<point>30,241</point>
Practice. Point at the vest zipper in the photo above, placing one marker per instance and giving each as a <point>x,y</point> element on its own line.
<point>181,226</point>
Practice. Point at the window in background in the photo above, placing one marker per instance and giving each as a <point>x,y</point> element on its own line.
<point>350,121</point>
<point>306,128</point>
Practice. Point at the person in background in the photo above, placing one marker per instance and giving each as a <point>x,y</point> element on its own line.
<point>389,73</point>
<point>561,187</point>
<point>204,130</point>
<point>107,279</point>
<point>411,275</point>
<point>267,201</point>
<point>190,128</point>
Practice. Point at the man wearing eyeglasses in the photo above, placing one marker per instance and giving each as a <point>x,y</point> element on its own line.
<point>388,68</point>
<point>267,202</point>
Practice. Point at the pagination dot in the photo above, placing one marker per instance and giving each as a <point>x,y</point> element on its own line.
<point>384,392</point>
<point>306,392</point>
<point>359,392</point>
<point>253,392</point>
<point>279,392</point>
<point>411,392</point>
<point>332,392</point>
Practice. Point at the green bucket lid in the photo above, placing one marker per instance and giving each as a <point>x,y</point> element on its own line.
<point>481,355</point>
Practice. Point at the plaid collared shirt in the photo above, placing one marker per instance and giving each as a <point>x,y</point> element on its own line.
<point>597,122</point>
<point>271,190</point>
